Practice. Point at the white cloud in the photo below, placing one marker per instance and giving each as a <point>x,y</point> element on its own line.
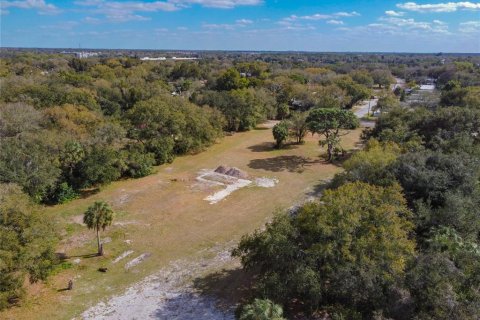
<point>393,13</point>
<point>333,21</point>
<point>347,14</point>
<point>65,25</point>
<point>244,21</point>
<point>439,22</point>
<point>316,16</point>
<point>290,23</point>
<point>114,7</point>
<point>118,11</point>
<point>470,27</point>
<point>40,5</point>
<point>91,20</point>
<point>410,24</point>
<point>227,4</point>
<point>228,26</point>
<point>124,17</point>
<point>439,7</point>
<point>168,5</point>
<point>320,16</point>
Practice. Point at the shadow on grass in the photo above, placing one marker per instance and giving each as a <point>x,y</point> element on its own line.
<point>318,189</point>
<point>88,192</point>
<point>228,287</point>
<point>214,297</point>
<point>283,163</point>
<point>189,306</point>
<point>270,146</point>
<point>262,128</point>
<point>88,255</point>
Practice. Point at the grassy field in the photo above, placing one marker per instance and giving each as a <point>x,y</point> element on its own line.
<point>165,216</point>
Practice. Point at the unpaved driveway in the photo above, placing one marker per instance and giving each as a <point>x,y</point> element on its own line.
<point>169,294</point>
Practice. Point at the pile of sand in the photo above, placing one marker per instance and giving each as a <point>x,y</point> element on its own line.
<point>265,182</point>
<point>231,179</point>
<point>232,171</point>
<point>222,169</point>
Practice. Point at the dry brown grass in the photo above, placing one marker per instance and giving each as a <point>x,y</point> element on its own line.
<point>164,215</point>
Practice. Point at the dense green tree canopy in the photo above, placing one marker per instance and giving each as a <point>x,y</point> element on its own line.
<point>328,123</point>
<point>352,247</point>
<point>27,243</point>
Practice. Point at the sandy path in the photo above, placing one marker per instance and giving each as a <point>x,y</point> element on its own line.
<point>168,294</point>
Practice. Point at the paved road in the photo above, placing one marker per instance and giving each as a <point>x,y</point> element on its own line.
<point>361,110</point>
<point>364,107</point>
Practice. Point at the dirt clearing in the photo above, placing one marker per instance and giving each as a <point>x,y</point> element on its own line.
<point>169,294</point>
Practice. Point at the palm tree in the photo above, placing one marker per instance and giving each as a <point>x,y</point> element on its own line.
<point>262,310</point>
<point>99,215</point>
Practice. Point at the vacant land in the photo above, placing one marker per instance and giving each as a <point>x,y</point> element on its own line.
<point>165,217</point>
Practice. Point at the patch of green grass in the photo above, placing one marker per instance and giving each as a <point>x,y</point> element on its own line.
<point>64,265</point>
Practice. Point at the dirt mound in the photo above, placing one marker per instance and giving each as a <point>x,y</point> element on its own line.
<point>232,171</point>
<point>222,169</point>
<point>237,173</point>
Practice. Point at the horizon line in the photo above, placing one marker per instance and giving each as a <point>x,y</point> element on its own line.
<point>240,50</point>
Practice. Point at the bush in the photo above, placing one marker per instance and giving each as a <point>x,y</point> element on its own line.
<point>280,133</point>
<point>261,310</point>
<point>63,193</point>
<point>137,162</point>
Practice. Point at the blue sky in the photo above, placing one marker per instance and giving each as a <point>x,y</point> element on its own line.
<point>302,25</point>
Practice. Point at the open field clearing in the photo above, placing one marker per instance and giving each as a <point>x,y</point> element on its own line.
<point>173,216</point>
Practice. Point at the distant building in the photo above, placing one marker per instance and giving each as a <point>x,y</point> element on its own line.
<point>428,84</point>
<point>165,58</point>
<point>153,59</point>
<point>427,87</point>
<point>184,58</point>
<point>81,54</point>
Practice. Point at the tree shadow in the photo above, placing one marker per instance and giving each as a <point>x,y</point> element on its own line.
<point>262,128</point>
<point>215,296</point>
<point>85,193</point>
<point>270,146</point>
<point>88,255</point>
<point>262,147</point>
<point>229,287</point>
<point>190,306</point>
<point>283,163</point>
<point>318,189</point>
